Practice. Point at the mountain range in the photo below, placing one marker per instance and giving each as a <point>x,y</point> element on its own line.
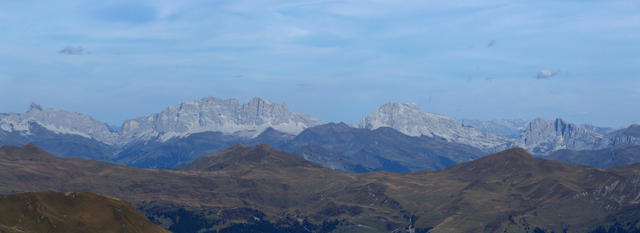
<point>409,139</point>
<point>411,120</point>
<point>262,189</point>
<point>219,115</point>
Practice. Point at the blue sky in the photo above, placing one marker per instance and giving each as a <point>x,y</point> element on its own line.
<point>337,60</point>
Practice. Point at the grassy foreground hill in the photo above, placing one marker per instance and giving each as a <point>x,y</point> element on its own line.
<point>261,189</point>
<point>55,212</point>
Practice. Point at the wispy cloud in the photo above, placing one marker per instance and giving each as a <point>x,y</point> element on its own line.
<point>546,74</point>
<point>72,50</point>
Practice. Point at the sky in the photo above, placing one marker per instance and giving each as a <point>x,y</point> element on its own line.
<point>336,60</point>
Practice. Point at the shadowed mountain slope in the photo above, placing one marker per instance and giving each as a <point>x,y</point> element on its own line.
<point>626,136</point>
<point>631,131</point>
<point>174,152</point>
<point>344,148</point>
<point>69,145</point>
<point>182,150</point>
<point>603,158</point>
<point>69,213</point>
<point>337,146</point>
<point>261,189</point>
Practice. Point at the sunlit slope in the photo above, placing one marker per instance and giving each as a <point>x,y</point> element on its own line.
<point>70,212</point>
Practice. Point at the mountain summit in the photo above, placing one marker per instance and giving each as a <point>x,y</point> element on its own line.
<point>221,115</point>
<point>409,119</point>
<point>58,122</point>
<point>545,136</point>
<point>239,157</point>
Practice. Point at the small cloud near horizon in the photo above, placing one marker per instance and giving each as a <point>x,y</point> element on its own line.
<point>71,50</point>
<point>546,74</point>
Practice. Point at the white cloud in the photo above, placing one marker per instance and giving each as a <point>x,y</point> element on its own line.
<point>546,74</point>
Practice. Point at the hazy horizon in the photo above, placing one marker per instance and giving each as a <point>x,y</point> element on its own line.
<point>336,60</point>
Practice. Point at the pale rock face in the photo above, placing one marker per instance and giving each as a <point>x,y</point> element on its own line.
<point>60,122</point>
<point>411,120</point>
<point>538,136</point>
<point>213,114</point>
<point>598,129</point>
<point>510,128</point>
<point>545,136</point>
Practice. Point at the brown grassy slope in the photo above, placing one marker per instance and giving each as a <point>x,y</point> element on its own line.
<point>272,189</point>
<point>508,190</point>
<point>493,193</point>
<point>241,158</point>
<point>70,212</point>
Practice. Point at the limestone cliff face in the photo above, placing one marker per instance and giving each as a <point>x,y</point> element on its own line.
<point>220,115</point>
<point>542,136</point>
<point>411,120</point>
<point>58,122</point>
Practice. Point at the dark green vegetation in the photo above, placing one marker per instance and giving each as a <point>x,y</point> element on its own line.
<point>69,213</point>
<point>261,189</point>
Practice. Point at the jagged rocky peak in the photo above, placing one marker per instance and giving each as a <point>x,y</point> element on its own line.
<point>35,107</point>
<point>543,136</point>
<point>214,114</point>
<point>558,127</point>
<point>58,121</point>
<point>409,119</point>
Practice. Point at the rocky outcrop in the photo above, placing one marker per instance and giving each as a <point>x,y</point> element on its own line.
<point>545,136</point>
<point>411,120</point>
<point>58,122</point>
<point>219,115</point>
